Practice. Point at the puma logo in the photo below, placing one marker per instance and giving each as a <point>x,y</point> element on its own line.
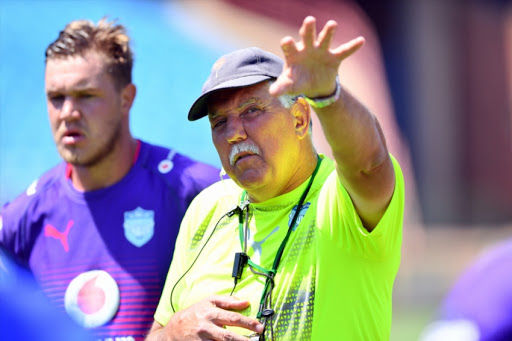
<point>51,231</point>
<point>257,246</point>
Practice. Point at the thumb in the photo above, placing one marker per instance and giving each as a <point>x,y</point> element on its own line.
<point>281,86</point>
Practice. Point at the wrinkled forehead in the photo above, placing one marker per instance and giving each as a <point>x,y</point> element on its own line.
<point>233,98</point>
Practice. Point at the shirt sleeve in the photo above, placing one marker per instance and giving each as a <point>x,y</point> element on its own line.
<point>339,221</point>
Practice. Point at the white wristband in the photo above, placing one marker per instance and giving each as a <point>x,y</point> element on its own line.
<point>322,102</point>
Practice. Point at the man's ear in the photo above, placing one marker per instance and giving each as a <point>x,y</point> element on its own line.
<point>127,97</point>
<point>302,113</point>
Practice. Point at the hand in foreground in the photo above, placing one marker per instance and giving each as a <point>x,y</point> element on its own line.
<point>311,66</point>
<point>206,319</point>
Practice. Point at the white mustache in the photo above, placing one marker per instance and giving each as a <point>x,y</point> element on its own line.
<point>240,148</point>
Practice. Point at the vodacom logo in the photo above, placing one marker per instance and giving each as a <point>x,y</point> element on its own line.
<point>92,298</point>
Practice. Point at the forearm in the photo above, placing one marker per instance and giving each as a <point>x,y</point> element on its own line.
<point>362,159</point>
<point>354,134</point>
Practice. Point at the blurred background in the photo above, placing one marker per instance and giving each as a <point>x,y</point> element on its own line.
<point>437,74</point>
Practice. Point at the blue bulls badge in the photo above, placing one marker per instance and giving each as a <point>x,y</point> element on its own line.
<point>302,213</point>
<point>139,226</point>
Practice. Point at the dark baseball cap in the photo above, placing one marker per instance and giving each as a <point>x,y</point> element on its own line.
<point>234,70</point>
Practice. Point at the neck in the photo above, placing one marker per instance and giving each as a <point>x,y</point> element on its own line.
<point>108,171</point>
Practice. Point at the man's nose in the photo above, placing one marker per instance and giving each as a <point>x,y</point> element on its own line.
<point>235,130</point>
<point>69,109</point>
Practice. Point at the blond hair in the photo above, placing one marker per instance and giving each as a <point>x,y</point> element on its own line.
<point>108,38</point>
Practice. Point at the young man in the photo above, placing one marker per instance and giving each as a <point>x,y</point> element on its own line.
<point>309,246</point>
<point>98,230</point>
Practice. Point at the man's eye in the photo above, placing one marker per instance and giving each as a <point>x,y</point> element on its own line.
<point>251,111</point>
<point>56,98</point>
<point>218,124</point>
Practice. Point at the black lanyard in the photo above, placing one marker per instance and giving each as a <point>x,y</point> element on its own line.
<point>270,274</point>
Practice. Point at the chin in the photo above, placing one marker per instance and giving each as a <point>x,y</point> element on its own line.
<point>74,158</point>
<point>69,156</point>
<point>250,180</point>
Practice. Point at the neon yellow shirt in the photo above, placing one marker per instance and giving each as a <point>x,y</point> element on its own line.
<point>334,281</point>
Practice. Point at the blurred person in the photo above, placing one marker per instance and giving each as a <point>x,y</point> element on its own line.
<point>98,230</point>
<point>22,300</point>
<point>479,306</point>
<point>295,246</point>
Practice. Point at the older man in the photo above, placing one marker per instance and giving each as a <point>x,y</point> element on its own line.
<point>310,247</point>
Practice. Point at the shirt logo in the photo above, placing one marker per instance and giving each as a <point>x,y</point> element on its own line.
<point>302,213</point>
<point>92,298</point>
<point>52,232</point>
<point>31,189</point>
<point>139,226</point>
<point>166,165</point>
<point>257,246</point>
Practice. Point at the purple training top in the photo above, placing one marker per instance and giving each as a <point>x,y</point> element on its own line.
<point>104,255</point>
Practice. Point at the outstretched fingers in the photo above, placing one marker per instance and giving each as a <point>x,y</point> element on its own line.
<point>345,50</point>
<point>284,82</point>
<point>326,34</point>
<point>308,32</point>
<point>289,47</point>
<point>311,64</point>
<point>310,38</point>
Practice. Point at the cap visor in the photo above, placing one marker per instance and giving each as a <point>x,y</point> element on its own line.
<point>200,107</point>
